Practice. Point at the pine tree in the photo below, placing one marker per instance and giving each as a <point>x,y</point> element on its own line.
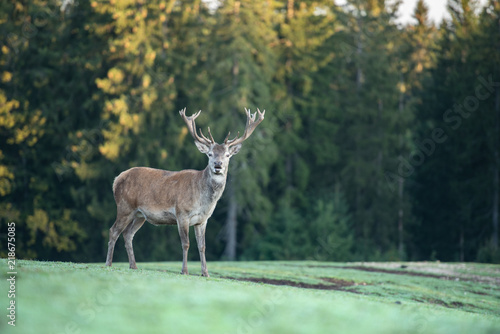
<point>301,31</point>
<point>453,205</point>
<point>488,42</point>
<point>46,77</point>
<point>366,77</point>
<point>331,229</point>
<point>417,58</point>
<point>240,66</point>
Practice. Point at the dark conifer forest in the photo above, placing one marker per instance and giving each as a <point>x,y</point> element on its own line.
<point>381,139</point>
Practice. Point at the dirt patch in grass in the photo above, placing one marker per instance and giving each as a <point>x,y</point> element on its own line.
<point>436,302</point>
<point>478,293</point>
<point>403,272</point>
<point>333,283</point>
<point>432,270</point>
<point>444,271</point>
<point>454,304</point>
<point>340,282</point>
<point>412,273</point>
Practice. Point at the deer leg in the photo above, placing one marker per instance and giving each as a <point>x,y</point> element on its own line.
<point>128,235</point>
<point>114,232</point>
<point>184,234</point>
<point>199,231</point>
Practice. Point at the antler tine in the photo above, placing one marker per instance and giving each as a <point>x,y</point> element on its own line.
<point>250,116</point>
<point>249,128</point>
<point>203,138</point>
<point>210,133</point>
<point>191,125</point>
<point>227,141</point>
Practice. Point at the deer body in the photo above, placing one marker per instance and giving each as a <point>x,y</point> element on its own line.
<point>184,198</point>
<point>158,204</point>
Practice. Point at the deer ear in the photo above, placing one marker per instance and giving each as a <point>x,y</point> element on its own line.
<point>202,147</point>
<point>234,149</point>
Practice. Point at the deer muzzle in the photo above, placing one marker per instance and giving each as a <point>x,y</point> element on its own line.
<point>218,168</point>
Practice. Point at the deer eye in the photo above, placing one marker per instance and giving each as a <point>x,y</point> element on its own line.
<point>210,154</point>
<point>227,155</point>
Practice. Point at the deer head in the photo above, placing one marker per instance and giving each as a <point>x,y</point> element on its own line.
<point>219,154</point>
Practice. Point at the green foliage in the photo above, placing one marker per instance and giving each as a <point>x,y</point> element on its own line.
<point>331,229</point>
<point>460,174</point>
<point>322,232</point>
<point>488,254</point>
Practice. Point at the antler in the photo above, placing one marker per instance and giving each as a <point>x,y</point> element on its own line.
<point>249,128</point>
<point>191,125</point>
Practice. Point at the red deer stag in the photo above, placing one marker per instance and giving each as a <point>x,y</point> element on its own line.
<point>184,198</point>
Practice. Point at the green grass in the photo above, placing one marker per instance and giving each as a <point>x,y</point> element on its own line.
<point>56,297</point>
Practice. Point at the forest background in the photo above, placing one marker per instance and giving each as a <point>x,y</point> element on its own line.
<point>381,140</point>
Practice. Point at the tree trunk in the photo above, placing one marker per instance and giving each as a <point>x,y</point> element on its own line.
<point>359,71</point>
<point>494,239</point>
<point>231,219</point>
<point>401,182</point>
<point>231,225</point>
<point>359,83</point>
<point>288,122</point>
<point>289,10</point>
<point>496,162</point>
<point>462,245</point>
<point>401,248</point>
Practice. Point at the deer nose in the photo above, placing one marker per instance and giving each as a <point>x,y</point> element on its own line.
<point>218,164</point>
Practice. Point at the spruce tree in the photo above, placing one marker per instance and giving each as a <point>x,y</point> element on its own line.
<point>454,204</point>
<point>240,64</point>
<point>368,79</point>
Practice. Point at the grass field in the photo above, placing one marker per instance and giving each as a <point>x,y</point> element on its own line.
<point>254,297</point>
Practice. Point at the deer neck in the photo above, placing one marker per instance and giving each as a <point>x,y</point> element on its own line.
<point>215,184</point>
